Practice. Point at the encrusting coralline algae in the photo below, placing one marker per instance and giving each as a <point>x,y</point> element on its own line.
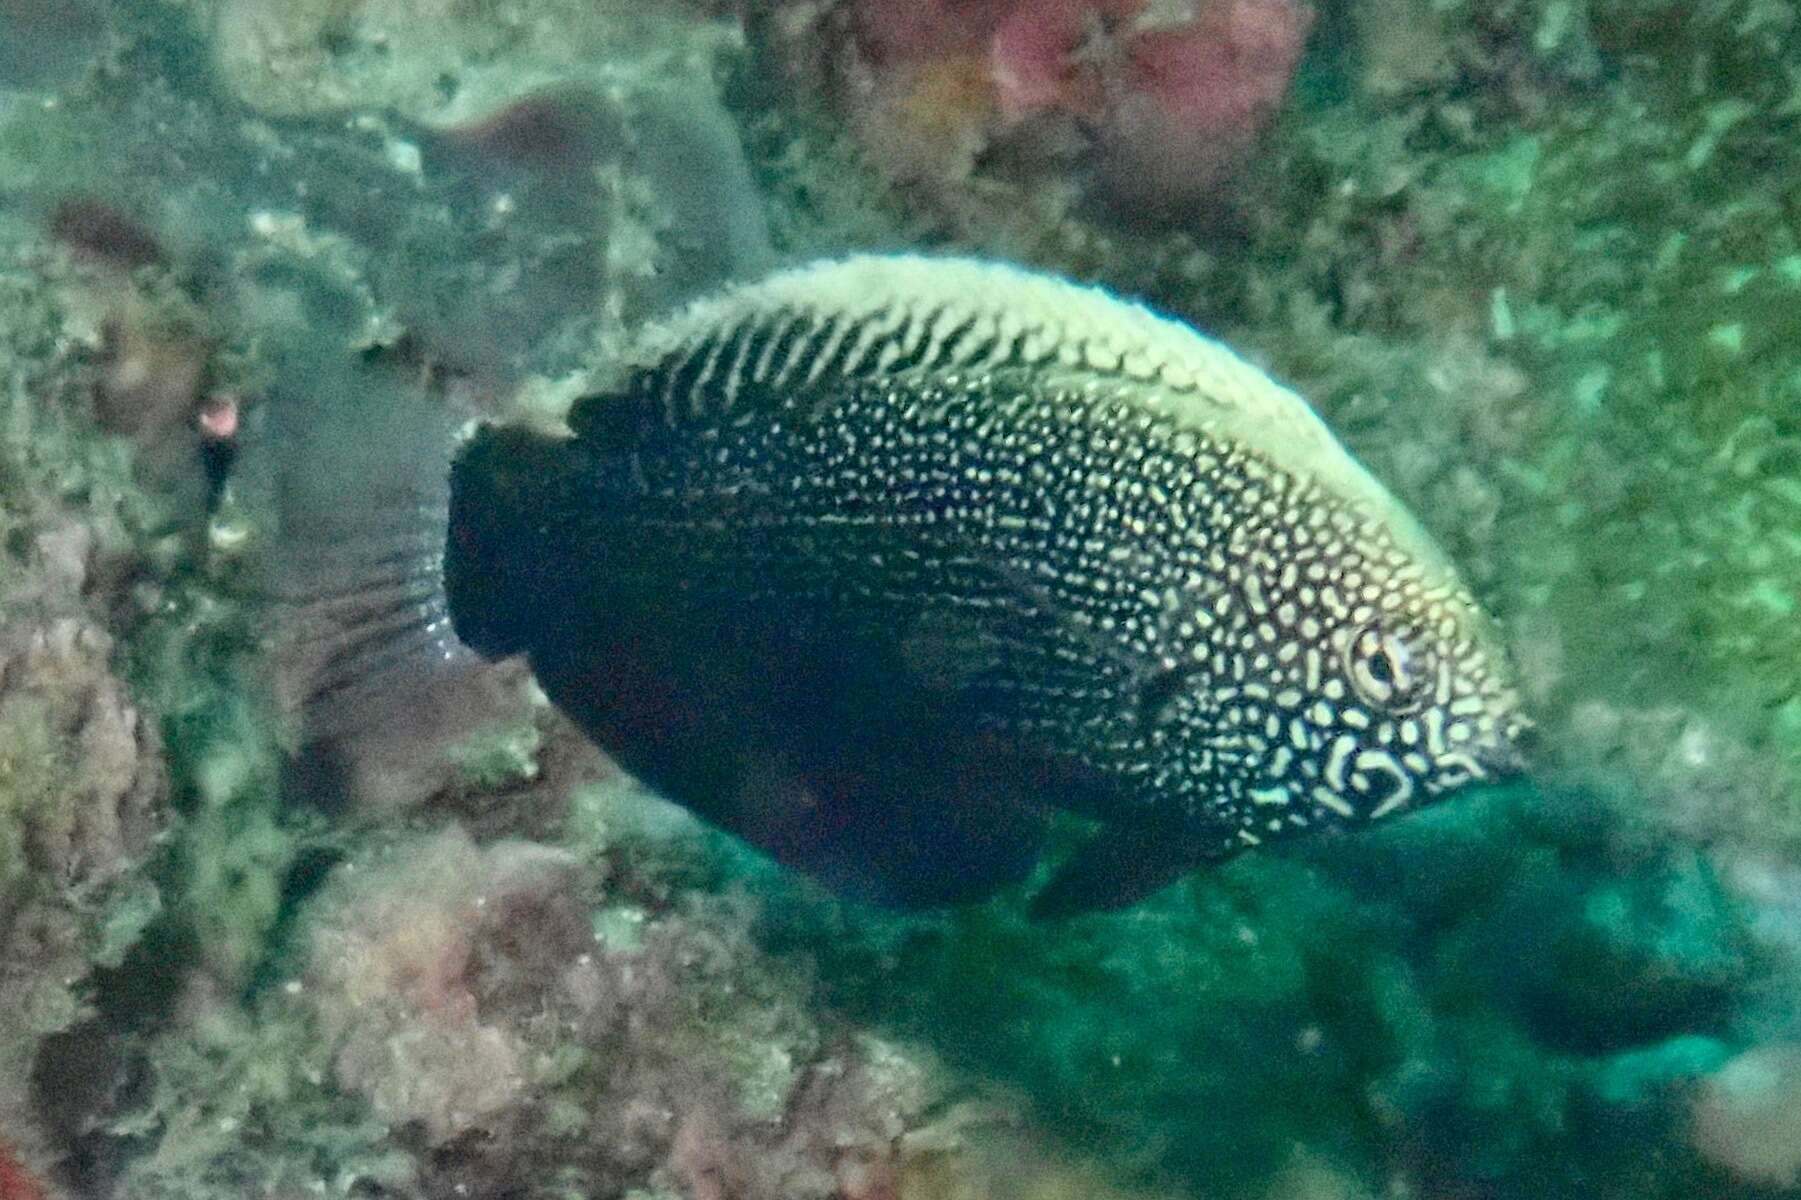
<point>1534,261</point>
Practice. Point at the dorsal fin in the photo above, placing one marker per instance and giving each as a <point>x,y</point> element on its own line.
<point>915,317</point>
<point>883,315</point>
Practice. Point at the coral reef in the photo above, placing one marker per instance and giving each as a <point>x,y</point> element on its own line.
<point>82,777</point>
<point>280,991</point>
<point>81,786</point>
<point>1155,102</point>
<point>1536,260</point>
<point>510,1024</point>
<point>80,773</point>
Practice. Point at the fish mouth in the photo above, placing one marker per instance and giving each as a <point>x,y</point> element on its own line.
<point>1510,755</point>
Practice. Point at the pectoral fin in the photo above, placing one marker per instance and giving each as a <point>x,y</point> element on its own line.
<point>1120,866</point>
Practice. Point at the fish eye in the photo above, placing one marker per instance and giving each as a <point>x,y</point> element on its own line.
<point>1388,668</point>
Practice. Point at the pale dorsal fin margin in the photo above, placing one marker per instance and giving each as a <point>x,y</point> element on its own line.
<point>894,315</point>
<point>917,317</point>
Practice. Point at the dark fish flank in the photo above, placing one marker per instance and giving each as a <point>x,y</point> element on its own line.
<point>1183,617</point>
<point>969,502</point>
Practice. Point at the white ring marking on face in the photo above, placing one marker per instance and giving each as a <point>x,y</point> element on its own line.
<point>1371,761</point>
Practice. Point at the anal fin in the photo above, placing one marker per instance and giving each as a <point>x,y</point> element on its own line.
<point>1120,866</point>
<point>946,817</point>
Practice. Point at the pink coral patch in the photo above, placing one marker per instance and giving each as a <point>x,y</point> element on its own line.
<point>910,31</point>
<point>1033,58</point>
<point>1221,75</point>
<point>1196,95</point>
<point>1169,101</point>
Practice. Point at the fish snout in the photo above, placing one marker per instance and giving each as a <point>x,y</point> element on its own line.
<point>1510,753</point>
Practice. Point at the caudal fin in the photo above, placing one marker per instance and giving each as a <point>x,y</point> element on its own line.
<point>351,462</point>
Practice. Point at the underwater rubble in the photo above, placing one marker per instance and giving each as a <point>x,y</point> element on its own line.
<point>1537,261</point>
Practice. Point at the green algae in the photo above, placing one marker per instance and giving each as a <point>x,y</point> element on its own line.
<point>233,1075</point>
<point>32,766</point>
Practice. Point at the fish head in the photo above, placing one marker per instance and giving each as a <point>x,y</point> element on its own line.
<point>1430,706</point>
<point>1368,680</point>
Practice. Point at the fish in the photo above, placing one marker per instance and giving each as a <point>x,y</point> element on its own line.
<point>885,563</point>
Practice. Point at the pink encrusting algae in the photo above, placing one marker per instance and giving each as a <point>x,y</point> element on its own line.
<point>1195,96</point>
<point>1166,104</point>
<point>16,1180</point>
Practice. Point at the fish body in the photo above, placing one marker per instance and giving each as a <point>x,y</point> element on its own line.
<point>877,563</point>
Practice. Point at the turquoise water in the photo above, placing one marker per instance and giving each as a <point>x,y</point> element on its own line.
<point>1533,262</point>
